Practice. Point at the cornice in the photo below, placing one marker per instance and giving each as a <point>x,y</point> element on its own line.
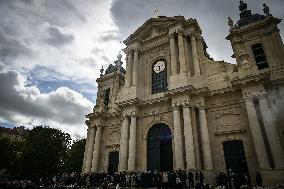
<point>109,76</point>
<point>222,91</point>
<point>154,100</point>
<point>189,88</point>
<point>128,102</point>
<point>250,79</point>
<point>253,26</point>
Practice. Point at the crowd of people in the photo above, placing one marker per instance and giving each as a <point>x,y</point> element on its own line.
<point>160,180</point>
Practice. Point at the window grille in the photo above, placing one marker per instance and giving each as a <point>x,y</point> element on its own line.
<point>159,80</point>
<point>259,56</point>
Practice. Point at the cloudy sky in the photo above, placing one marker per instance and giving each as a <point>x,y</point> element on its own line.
<point>51,50</point>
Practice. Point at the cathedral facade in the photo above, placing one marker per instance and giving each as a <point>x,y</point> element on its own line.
<point>174,107</point>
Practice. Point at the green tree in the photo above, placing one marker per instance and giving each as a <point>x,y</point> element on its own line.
<point>75,156</point>
<point>6,153</point>
<point>10,154</point>
<point>45,152</point>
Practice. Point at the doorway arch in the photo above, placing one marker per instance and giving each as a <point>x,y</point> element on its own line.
<point>159,148</point>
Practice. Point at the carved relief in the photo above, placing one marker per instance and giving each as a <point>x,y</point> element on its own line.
<point>113,137</point>
<point>228,121</point>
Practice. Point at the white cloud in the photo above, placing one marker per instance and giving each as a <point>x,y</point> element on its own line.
<point>57,36</point>
<point>63,108</point>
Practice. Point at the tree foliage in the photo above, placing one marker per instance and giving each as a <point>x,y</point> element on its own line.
<point>75,156</point>
<point>10,153</point>
<point>44,152</point>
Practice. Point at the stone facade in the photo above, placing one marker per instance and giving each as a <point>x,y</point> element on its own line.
<point>206,104</point>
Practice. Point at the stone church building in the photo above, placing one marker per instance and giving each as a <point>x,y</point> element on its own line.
<point>174,107</point>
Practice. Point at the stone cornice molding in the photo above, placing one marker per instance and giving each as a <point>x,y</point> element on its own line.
<point>261,77</point>
<point>221,91</point>
<point>189,89</point>
<point>255,26</point>
<point>134,101</point>
<point>109,76</point>
<point>154,100</point>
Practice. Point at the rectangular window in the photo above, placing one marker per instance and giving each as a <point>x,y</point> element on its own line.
<point>106,100</point>
<point>259,56</point>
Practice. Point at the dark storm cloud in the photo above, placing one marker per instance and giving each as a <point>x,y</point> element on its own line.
<point>21,22</point>
<point>57,37</point>
<point>211,15</point>
<point>18,99</point>
<point>11,46</point>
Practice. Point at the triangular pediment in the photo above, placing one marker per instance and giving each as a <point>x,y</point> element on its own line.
<point>153,26</point>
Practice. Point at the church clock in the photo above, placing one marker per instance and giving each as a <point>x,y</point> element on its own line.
<point>159,66</point>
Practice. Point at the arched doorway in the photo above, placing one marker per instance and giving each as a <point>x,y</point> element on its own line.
<point>159,148</point>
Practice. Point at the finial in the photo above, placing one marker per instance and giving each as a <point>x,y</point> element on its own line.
<point>266,10</point>
<point>230,22</point>
<point>102,71</point>
<point>119,56</point>
<point>156,13</point>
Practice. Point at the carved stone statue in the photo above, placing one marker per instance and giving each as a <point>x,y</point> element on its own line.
<point>230,22</point>
<point>102,71</point>
<point>266,10</point>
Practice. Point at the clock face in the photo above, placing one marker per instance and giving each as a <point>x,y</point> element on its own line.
<point>159,66</point>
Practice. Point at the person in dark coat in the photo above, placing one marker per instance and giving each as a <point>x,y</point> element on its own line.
<point>258,179</point>
<point>191,179</point>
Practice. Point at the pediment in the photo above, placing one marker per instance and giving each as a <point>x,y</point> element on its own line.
<point>160,25</point>
<point>152,27</point>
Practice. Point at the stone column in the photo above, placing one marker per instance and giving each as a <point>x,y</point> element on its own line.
<point>124,145</point>
<point>195,57</point>
<point>86,149</point>
<point>181,52</point>
<point>128,80</point>
<point>179,160</point>
<point>257,135</point>
<point>173,54</point>
<point>271,132</point>
<point>135,67</point>
<point>132,144</point>
<point>205,140</point>
<point>90,150</point>
<point>188,139</point>
<point>96,152</point>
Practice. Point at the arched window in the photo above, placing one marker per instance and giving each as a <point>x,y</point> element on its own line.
<point>159,76</point>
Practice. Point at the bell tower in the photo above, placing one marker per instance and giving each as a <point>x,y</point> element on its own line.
<point>109,83</point>
<point>256,42</point>
<point>259,75</point>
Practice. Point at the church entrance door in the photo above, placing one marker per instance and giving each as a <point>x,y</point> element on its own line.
<point>235,156</point>
<point>159,148</point>
<point>113,160</point>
